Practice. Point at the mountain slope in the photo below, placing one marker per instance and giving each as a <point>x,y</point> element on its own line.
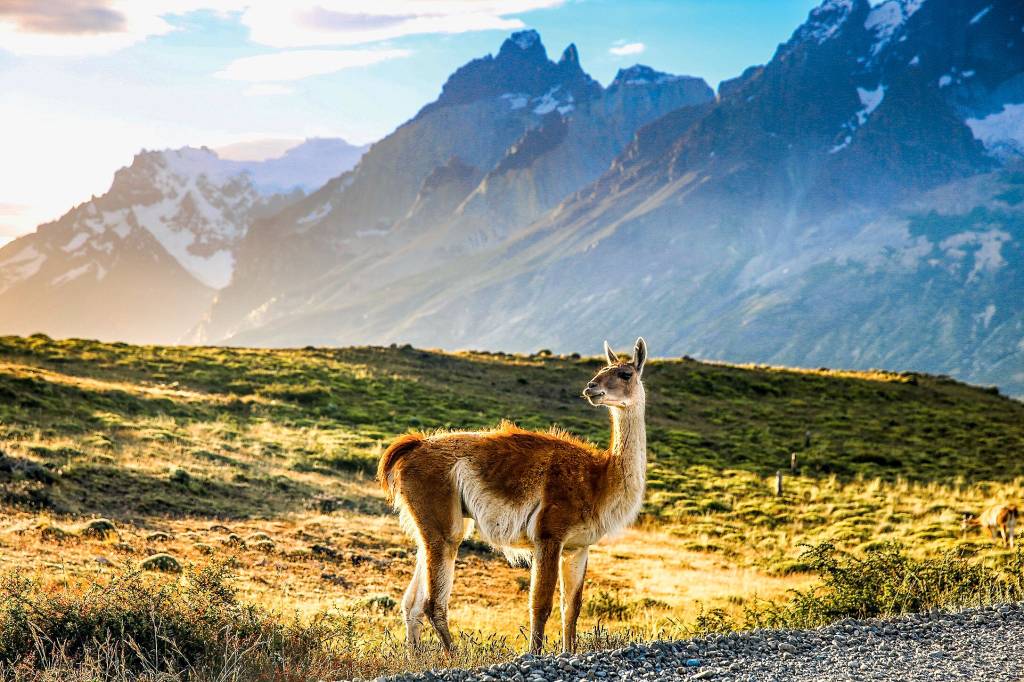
<point>791,221</point>
<point>508,138</point>
<point>143,262</point>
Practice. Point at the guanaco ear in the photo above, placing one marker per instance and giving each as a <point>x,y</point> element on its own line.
<point>640,355</point>
<point>613,359</point>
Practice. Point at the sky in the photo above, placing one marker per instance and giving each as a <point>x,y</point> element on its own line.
<point>88,83</point>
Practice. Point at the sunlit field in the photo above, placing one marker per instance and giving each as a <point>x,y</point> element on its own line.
<point>237,485</point>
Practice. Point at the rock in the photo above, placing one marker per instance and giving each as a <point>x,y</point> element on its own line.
<point>54,534</point>
<point>98,528</point>
<point>261,545</point>
<point>179,476</point>
<point>161,562</point>
<point>233,540</point>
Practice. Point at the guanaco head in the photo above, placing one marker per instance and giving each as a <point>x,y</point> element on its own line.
<point>968,521</point>
<point>618,384</point>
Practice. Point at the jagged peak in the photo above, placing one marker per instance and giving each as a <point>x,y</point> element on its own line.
<point>521,68</point>
<point>570,56</point>
<point>826,20</point>
<point>524,40</point>
<point>523,43</point>
<point>639,74</point>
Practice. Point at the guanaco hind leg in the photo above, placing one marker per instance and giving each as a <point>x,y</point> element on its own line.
<point>573,571</point>
<point>414,601</point>
<point>543,578</point>
<point>440,577</point>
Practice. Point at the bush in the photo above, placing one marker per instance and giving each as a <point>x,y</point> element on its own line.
<point>888,582</point>
<point>607,605</point>
<point>161,624</point>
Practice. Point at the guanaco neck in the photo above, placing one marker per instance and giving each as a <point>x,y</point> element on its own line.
<point>629,448</point>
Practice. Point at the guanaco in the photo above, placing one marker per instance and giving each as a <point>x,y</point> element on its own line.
<point>538,496</point>
<point>1000,520</point>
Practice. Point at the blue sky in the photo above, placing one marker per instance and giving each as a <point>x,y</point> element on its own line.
<point>87,83</point>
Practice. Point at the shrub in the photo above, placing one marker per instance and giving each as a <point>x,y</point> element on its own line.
<point>886,581</point>
<point>607,605</point>
<point>188,620</point>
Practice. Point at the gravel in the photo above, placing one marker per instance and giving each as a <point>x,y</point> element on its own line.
<point>974,644</point>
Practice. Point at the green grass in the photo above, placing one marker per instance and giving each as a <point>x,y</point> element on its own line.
<point>151,437</point>
<point>717,433</point>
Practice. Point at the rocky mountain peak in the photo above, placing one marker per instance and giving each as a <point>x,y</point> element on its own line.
<point>523,44</point>
<point>638,74</point>
<point>570,57</point>
<point>521,68</point>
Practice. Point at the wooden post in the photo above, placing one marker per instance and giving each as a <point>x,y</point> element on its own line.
<point>778,483</point>
<point>792,462</point>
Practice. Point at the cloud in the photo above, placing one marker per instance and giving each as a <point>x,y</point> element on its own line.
<point>62,16</point>
<point>626,49</point>
<point>75,27</point>
<point>294,65</point>
<point>263,89</point>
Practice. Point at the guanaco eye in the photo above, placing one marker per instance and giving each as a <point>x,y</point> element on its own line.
<point>625,376</point>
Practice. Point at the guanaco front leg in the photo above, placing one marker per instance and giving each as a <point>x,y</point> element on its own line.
<point>544,576</point>
<point>574,569</point>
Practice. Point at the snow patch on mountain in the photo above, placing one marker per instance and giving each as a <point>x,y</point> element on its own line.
<point>984,318</point>
<point>979,16</point>
<point>516,100</point>
<point>76,242</point>
<point>1002,133</point>
<point>212,269</point>
<point>549,101</point>
<point>20,266</point>
<point>825,21</point>
<point>885,19</point>
<point>869,99</point>
<point>316,214</point>
<point>988,252</point>
<point>73,274</point>
<point>638,74</point>
<point>524,40</point>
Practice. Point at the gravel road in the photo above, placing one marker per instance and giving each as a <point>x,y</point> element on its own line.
<point>984,644</point>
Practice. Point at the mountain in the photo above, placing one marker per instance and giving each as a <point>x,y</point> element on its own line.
<point>306,166</point>
<point>509,137</point>
<point>858,201</point>
<point>855,201</point>
<point>143,261</point>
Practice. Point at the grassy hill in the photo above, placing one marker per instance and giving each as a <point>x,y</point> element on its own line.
<point>263,460</point>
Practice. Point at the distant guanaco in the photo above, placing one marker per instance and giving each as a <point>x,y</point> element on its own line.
<point>544,497</point>
<point>1000,520</point>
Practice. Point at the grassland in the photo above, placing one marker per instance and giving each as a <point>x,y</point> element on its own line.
<point>261,461</point>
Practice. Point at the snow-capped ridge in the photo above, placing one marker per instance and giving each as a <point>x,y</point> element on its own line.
<point>639,74</point>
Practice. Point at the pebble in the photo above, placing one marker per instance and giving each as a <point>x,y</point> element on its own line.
<point>974,644</point>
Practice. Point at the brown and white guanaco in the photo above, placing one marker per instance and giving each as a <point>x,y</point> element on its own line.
<point>1000,520</point>
<point>542,496</point>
